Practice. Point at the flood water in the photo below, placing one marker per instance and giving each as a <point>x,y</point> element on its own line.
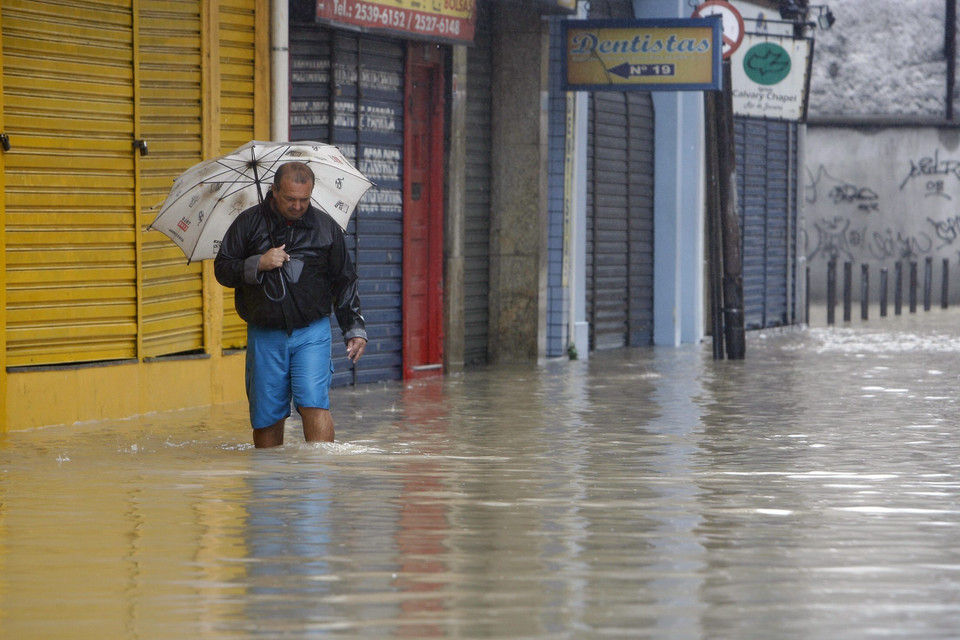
<point>812,491</point>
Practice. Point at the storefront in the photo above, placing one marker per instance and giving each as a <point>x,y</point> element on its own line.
<point>381,96</point>
<point>619,168</point>
<point>103,104</point>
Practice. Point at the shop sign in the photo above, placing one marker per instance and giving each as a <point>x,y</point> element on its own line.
<point>445,20</point>
<point>645,55</point>
<point>771,77</point>
<point>558,6</point>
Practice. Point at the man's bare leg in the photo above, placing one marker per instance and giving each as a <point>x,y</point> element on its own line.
<point>317,424</point>
<point>271,436</point>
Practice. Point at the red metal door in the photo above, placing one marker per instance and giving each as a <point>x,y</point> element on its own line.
<point>423,166</point>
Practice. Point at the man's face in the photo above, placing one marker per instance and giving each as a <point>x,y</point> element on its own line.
<point>291,199</point>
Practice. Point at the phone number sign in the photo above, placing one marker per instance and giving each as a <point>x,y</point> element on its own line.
<point>452,20</point>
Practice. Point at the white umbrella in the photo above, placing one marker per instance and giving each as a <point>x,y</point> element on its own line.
<point>206,198</point>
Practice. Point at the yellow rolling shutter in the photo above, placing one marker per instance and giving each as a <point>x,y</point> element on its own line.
<point>81,81</point>
<point>170,107</point>
<point>237,81</point>
<point>70,181</point>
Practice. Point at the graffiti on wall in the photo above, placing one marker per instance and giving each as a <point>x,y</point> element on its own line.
<point>834,240</point>
<point>880,196</point>
<point>887,245</point>
<point>852,224</point>
<point>840,192</point>
<point>932,171</point>
<point>947,230</point>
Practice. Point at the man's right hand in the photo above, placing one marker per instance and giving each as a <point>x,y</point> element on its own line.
<point>274,258</point>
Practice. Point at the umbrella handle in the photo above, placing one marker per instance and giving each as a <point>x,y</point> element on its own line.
<point>283,285</point>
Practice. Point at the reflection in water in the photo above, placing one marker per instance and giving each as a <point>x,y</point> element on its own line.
<point>423,519</point>
<point>810,491</point>
<point>289,534</point>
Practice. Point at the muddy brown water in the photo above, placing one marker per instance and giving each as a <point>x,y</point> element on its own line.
<point>812,491</point>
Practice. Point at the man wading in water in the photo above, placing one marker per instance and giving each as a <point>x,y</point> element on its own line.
<point>288,264</point>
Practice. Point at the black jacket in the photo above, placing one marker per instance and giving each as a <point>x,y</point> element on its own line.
<point>284,298</point>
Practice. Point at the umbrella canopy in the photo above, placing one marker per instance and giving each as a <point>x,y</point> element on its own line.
<point>206,198</point>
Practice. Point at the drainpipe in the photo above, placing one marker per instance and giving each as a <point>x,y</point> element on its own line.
<point>280,70</point>
<point>579,328</point>
<point>950,50</point>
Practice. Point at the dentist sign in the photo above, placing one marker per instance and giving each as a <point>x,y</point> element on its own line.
<point>644,55</point>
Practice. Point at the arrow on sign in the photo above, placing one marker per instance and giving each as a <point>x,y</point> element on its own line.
<point>627,70</point>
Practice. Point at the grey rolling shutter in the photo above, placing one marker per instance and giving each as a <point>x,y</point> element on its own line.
<point>477,219</point>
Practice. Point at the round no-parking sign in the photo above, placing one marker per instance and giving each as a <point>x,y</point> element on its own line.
<point>731,19</point>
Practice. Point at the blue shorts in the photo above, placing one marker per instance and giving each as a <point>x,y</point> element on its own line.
<point>282,367</point>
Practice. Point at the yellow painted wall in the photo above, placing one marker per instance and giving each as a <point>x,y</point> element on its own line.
<point>67,395</point>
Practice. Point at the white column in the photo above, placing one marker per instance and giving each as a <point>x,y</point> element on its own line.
<point>579,327</point>
<point>678,282</point>
<point>280,70</point>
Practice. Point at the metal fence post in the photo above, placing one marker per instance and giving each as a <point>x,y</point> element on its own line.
<point>831,291</point>
<point>847,285</point>
<point>945,284</point>
<point>883,292</point>
<point>913,286</point>
<point>864,290</point>
<point>898,289</point>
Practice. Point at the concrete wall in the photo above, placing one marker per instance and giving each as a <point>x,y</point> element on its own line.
<point>885,189</point>
<point>876,195</point>
<point>518,200</point>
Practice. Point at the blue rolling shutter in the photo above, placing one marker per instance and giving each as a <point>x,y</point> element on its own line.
<point>766,198</point>
<point>365,120</point>
<point>557,294</point>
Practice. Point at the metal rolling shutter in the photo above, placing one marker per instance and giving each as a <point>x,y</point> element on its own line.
<point>170,63</point>
<point>607,241</point>
<point>620,220</point>
<point>170,101</point>
<point>766,153</point>
<point>557,314</point>
<point>611,9</point>
<point>619,261</point>
<point>640,198</point>
<point>367,125</point>
<point>237,32</point>
<point>70,181</point>
<point>476,246</point>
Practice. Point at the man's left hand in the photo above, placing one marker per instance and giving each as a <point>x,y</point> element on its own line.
<point>355,348</point>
